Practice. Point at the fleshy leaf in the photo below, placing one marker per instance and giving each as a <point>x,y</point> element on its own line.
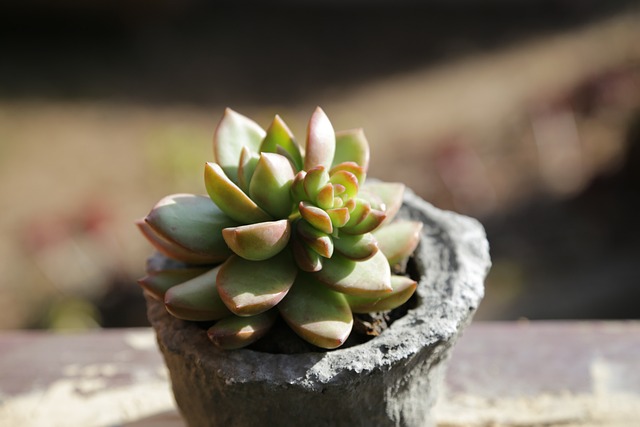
<point>370,222</point>
<point>234,132</point>
<point>230,198</point>
<point>316,313</point>
<point>358,212</point>
<point>398,240</point>
<point>260,241</point>
<point>252,287</point>
<point>193,222</point>
<point>385,196</point>
<point>317,240</point>
<point>235,332</point>
<point>339,216</point>
<point>366,278</point>
<point>196,299</point>
<point>279,135</point>
<point>298,192</point>
<point>270,186</point>
<point>173,250</point>
<point>403,288</point>
<point>348,180</point>
<point>157,283</point>
<point>352,146</point>
<point>306,258</point>
<point>357,170</point>
<point>321,141</point>
<point>246,167</point>
<point>325,197</point>
<point>356,247</point>
<point>315,180</point>
<point>316,217</point>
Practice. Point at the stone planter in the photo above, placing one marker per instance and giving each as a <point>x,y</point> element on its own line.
<point>392,380</point>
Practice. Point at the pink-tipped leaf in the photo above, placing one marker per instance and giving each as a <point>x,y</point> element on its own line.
<point>352,146</point>
<point>234,132</point>
<point>251,287</point>
<point>403,288</point>
<point>366,278</point>
<point>398,240</point>
<point>270,185</point>
<point>260,241</point>
<point>321,141</point>
<point>196,299</point>
<point>316,313</point>
<point>230,198</point>
<point>235,332</point>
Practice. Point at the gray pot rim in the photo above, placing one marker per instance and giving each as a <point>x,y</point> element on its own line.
<point>452,261</point>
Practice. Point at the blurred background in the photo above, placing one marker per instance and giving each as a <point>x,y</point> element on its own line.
<point>523,114</point>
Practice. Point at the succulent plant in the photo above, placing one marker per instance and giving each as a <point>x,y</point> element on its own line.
<point>283,232</point>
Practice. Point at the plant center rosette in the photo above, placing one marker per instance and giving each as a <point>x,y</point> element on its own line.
<point>283,232</point>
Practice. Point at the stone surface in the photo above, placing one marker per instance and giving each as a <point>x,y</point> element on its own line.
<point>392,380</point>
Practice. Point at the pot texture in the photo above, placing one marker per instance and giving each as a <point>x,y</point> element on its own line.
<point>391,380</point>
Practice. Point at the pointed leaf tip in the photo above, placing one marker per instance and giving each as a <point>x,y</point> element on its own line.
<point>366,278</point>
<point>270,186</point>
<point>398,240</point>
<point>233,132</point>
<point>190,222</point>
<point>230,198</point>
<point>403,289</point>
<point>321,141</point>
<point>352,146</point>
<point>196,299</point>
<point>280,138</point>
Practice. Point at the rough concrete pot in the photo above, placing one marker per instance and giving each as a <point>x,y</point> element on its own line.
<point>391,380</point>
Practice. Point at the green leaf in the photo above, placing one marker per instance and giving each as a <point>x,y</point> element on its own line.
<point>359,210</point>
<point>348,180</point>
<point>192,222</point>
<point>317,240</point>
<point>403,288</point>
<point>370,222</point>
<point>298,192</point>
<point>172,249</point>
<point>157,283</point>
<point>252,287</point>
<point>260,241</point>
<point>339,216</point>
<point>235,332</point>
<point>352,146</point>
<point>321,141</point>
<point>352,167</point>
<point>398,240</point>
<point>317,314</point>
<point>356,247</point>
<point>270,186</point>
<point>234,132</point>
<point>325,197</point>
<point>196,299</point>
<point>366,278</point>
<point>386,196</point>
<point>279,135</point>
<point>315,180</point>
<point>306,258</point>
<point>316,217</point>
<point>230,198</point>
<point>246,167</point>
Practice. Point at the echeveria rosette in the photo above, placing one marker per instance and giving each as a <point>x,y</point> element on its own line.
<point>284,232</point>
